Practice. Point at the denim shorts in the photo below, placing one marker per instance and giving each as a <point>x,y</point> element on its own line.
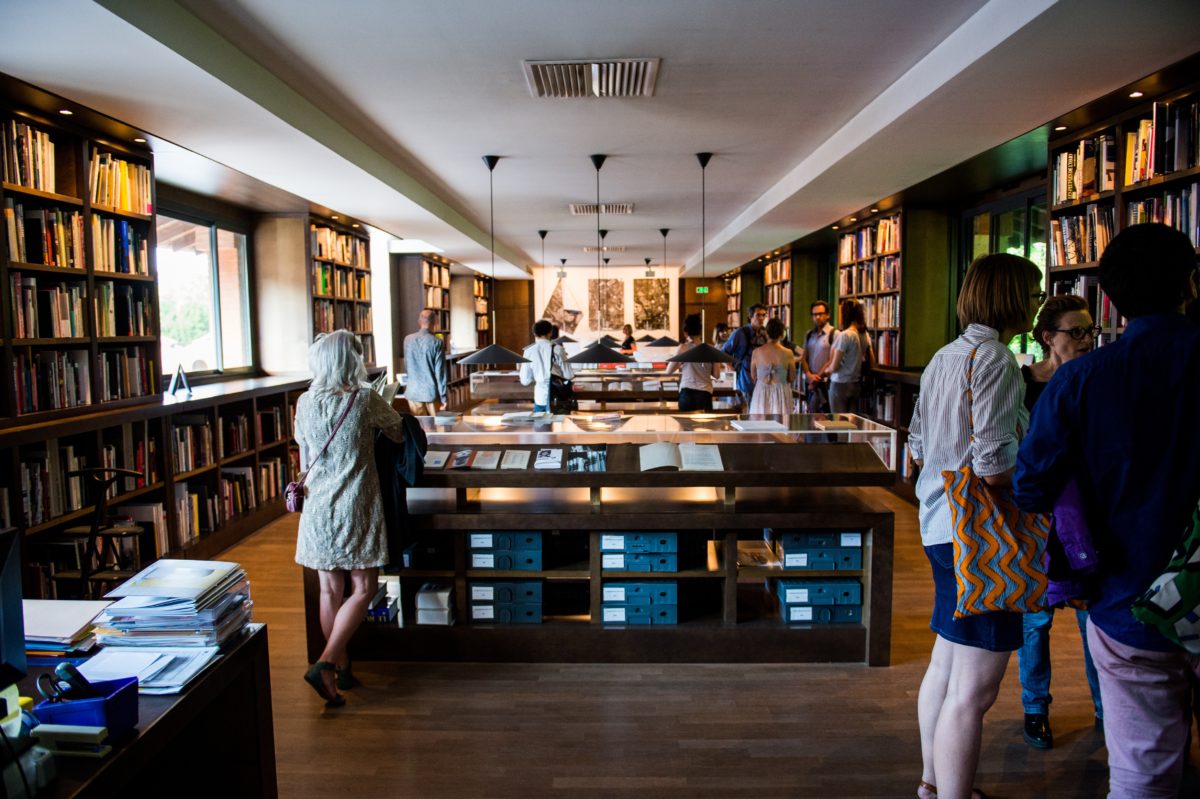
<point>995,632</point>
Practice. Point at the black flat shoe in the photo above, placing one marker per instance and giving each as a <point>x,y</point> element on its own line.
<point>1037,731</point>
<point>346,679</point>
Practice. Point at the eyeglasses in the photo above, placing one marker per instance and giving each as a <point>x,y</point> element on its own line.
<point>1041,297</point>
<point>820,313</point>
<point>1080,333</point>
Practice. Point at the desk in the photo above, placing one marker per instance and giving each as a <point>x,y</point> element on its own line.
<point>216,738</point>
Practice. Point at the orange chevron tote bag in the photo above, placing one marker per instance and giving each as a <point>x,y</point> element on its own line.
<point>998,548</point>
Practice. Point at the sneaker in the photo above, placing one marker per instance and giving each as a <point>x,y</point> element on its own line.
<point>1037,731</point>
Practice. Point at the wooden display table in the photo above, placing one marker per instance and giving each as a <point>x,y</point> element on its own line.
<point>726,611</point>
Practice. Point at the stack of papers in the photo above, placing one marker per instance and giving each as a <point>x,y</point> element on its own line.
<point>163,670</point>
<point>57,627</point>
<point>757,425</point>
<point>177,603</point>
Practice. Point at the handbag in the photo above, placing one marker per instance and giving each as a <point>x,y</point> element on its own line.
<point>998,548</point>
<point>293,494</point>
<point>1172,603</point>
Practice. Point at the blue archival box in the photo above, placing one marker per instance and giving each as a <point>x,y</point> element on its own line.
<point>512,592</point>
<point>819,592</point>
<point>660,592</point>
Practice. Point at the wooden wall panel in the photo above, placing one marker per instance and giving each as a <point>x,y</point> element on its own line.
<point>514,313</point>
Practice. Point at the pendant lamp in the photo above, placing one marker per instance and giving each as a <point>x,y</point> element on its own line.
<point>563,340</point>
<point>702,352</point>
<point>493,354</point>
<point>599,353</point>
<point>664,341</point>
<point>645,339</point>
<point>649,269</point>
<point>562,270</point>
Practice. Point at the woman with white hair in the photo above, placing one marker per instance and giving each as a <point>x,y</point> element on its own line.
<point>342,525</point>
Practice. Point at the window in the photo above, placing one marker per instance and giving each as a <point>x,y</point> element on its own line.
<point>1016,225</point>
<point>203,297</point>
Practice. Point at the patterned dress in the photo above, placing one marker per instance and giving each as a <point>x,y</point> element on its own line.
<point>342,523</point>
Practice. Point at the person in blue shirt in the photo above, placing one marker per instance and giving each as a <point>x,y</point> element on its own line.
<point>1124,422</point>
<point>742,344</point>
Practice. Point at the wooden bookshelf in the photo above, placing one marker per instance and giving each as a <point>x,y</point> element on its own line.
<point>335,295</point>
<point>893,263</point>
<point>1142,165</point>
<point>78,334</point>
<point>481,292</point>
<point>777,290</point>
<point>733,301</point>
<point>419,281</point>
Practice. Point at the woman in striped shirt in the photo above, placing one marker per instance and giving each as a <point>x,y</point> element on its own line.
<point>998,300</point>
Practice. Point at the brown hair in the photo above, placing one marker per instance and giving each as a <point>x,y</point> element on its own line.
<point>775,329</point>
<point>996,291</point>
<point>852,313</point>
<point>1051,315</point>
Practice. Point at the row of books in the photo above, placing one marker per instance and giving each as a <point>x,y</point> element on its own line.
<point>47,236</point>
<point>1085,170</point>
<point>270,425</point>
<point>733,304</point>
<point>341,247</point>
<point>120,184</point>
<point>192,438</point>
<point>1179,208</point>
<point>197,511</point>
<point>1079,239</point>
<point>235,435</point>
<point>363,319</point>
<point>482,322</point>
<point>881,237</point>
<point>882,311</point>
<point>733,285</point>
<point>887,273</point>
<point>1166,142</point>
<point>131,455</point>
<point>127,372</point>
<point>437,297</point>
<point>119,246</point>
<point>435,275</point>
<point>56,312</point>
<point>124,310</point>
<point>479,289</point>
<point>329,316</point>
<point>481,305</point>
<point>778,271</point>
<point>778,293</point>
<point>29,157</point>
<point>341,283</point>
<point>46,380</point>
<point>238,495</point>
<point>887,347</point>
<point>46,490</point>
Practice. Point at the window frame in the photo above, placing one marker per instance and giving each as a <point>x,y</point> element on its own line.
<point>229,224</point>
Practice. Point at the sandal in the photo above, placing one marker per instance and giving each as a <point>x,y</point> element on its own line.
<point>927,791</point>
<point>313,677</point>
<point>346,679</point>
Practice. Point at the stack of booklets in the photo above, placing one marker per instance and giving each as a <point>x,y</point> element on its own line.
<point>434,605</point>
<point>177,603</point>
<point>168,623</point>
<point>59,627</point>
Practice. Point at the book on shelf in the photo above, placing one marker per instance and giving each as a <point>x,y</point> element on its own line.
<point>515,459</point>
<point>29,158</point>
<point>758,425</point>
<point>436,458</point>
<point>152,517</point>
<point>684,457</point>
<point>548,459</point>
<point>834,422</point>
<point>587,458</point>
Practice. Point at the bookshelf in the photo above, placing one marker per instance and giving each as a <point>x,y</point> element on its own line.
<point>481,292</point>
<point>893,263</point>
<point>1142,165</point>
<point>777,290</point>
<point>733,301</point>
<point>78,273</point>
<point>336,294</point>
<point>420,281</point>
<point>212,467</point>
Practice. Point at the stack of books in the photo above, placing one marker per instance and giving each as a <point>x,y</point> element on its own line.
<point>59,627</point>
<point>169,622</point>
<point>434,605</point>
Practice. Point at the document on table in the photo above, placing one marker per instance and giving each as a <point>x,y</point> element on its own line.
<point>164,670</point>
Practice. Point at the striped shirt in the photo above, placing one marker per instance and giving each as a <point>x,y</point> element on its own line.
<point>938,433</point>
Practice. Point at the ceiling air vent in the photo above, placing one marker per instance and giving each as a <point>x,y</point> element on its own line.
<point>610,77</point>
<point>591,209</point>
<point>592,248</point>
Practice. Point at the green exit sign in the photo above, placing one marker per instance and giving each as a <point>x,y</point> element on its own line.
<point>701,289</point>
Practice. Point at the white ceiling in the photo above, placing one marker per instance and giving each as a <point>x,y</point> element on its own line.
<point>382,109</point>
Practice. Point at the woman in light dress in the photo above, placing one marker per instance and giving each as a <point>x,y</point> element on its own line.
<point>772,370</point>
<point>342,526</point>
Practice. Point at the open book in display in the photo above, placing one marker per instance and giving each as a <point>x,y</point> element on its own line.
<point>834,422</point>
<point>684,457</point>
<point>550,459</point>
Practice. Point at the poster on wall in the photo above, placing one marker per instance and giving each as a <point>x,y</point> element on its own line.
<point>562,309</point>
<point>651,303</point>
<point>606,303</point>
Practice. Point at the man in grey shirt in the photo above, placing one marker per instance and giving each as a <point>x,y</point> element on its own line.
<point>425,362</point>
<point>815,354</point>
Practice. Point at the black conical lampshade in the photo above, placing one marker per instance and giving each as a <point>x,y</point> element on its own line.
<point>609,341</point>
<point>493,355</point>
<point>563,340</point>
<point>598,353</point>
<point>645,338</point>
<point>701,353</point>
<point>665,341</point>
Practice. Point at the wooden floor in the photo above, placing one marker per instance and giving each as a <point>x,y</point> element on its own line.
<point>681,731</point>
